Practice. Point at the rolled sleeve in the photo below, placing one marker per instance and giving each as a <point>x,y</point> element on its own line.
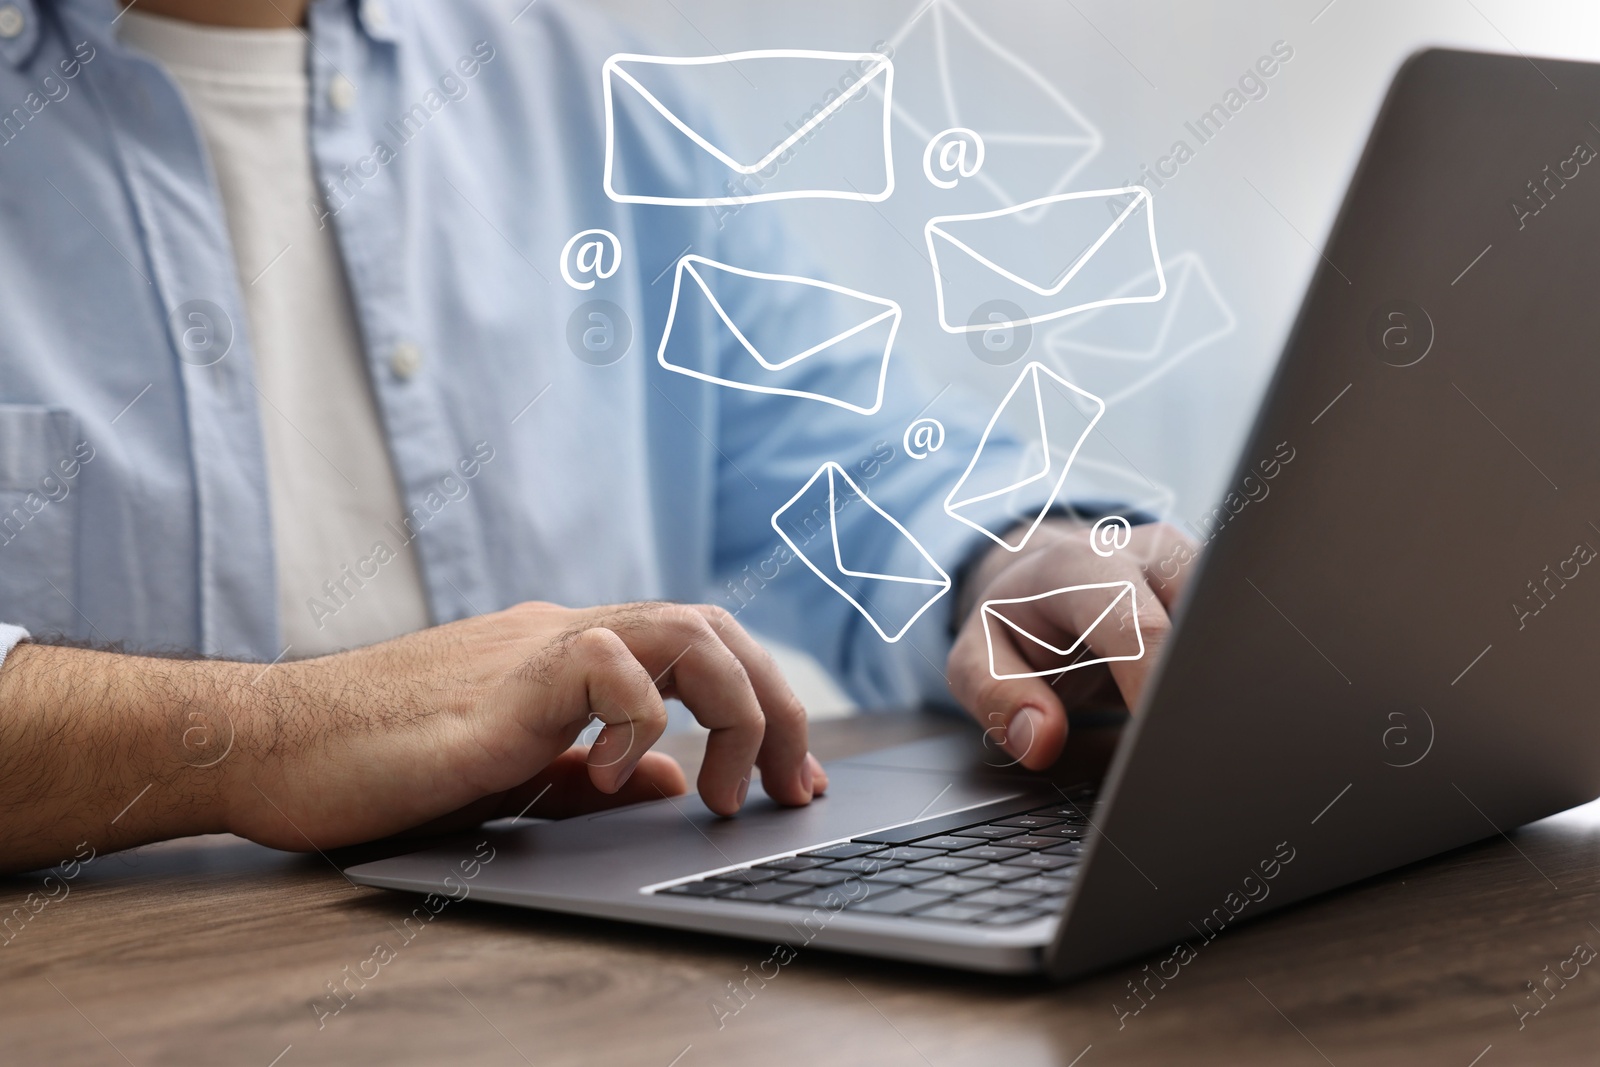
<point>10,637</point>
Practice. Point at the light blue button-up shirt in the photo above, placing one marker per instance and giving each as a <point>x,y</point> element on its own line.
<point>134,503</point>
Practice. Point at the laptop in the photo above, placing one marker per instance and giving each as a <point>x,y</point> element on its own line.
<point>1387,649</point>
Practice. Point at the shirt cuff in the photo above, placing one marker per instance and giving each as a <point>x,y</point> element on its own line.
<point>10,637</point>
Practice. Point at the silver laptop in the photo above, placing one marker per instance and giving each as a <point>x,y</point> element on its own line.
<point>1387,651</point>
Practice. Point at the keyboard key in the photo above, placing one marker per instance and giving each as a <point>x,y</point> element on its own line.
<point>1040,884</point>
<point>942,824</point>
<point>952,913</point>
<point>842,851</point>
<point>1030,841</point>
<point>905,853</point>
<point>904,876</point>
<point>824,876</point>
<point>999,898</point>
<point>945,842</point>
<point>793,863</point>
<point>988,833</point>
<point>998,872</point>
<point>1027,822</point>
<point>994,853</point>
<point>749,876</point>
<point>765,893</point>
<point>898,902</point>
<point>1040,861</point>
<point>838,897</point>
<point>952,883</point>
<point>1014,916</point>
<point>1068,830</point>
<point>828,898</point>
<point>860,891</point>
<point>1067,812</point>
<point>699,889</point>
<point>866,864</point>
<point>947,864</point>
<point>1066,848</point>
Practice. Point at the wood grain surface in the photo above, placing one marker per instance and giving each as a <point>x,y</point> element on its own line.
<point>215,951</point>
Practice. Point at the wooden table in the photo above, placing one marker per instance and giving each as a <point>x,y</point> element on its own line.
<point>212,950</point>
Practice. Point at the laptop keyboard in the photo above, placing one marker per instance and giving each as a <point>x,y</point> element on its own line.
<point>991,866</point>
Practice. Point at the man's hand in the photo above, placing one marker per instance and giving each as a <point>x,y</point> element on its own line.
<point>468,715</point>
<point>445,727</point>
<point>1027,716</point>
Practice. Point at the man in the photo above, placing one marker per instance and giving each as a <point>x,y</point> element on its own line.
<point>285,382</point>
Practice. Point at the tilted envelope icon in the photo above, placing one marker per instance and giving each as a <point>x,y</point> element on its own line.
<point>1116,357</point>
<point>860,315</point>
<point>1051,400</point>
<point>833,570</point>
<point>960,75</point>
<point>625,76</point>
<point>1079,255</point>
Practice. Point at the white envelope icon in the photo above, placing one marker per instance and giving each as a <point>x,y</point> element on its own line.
<point>1118,612</point>
<point>1057,417</point>
<point>777,347</point>
<point>1116,356</point>
<point>1097,480</point>
<point>876,596</point>
<point>1080,255</point>
<point>756,170</point>
<point>970,79</point>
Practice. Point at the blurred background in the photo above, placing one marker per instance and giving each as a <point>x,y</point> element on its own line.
<point>1075,95</point>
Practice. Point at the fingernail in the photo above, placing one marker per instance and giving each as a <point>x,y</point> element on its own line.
<point>622,779</point>
<point>1023,728</point>
<point>808,777</point>
<point>744,790</point>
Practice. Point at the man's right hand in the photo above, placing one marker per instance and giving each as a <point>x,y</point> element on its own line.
<point>447,726</point>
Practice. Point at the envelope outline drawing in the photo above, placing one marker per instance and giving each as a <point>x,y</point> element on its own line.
<point>1130,488</point>
<point>1188,279</point>
<point>834,471</point>
<point>953,501</point>
<point>615,70</point>
<point>938,226</point>
<point>1087,138</point>
<point>692,266</point>
<point>991,616</point>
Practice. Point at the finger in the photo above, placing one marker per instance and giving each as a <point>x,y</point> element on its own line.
<point>686,659</point>
<point>564,788</point>
<point>621,694</point>
<point>1127,636</point>
<point>1021,715</point>
<point>819,777</point>
<point>787,774</point>
<point>1168,559</point>
<point>1151,626</point>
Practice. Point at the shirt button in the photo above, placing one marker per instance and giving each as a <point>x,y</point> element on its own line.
<point>11,20</point>
<point>405,360</point>
<point>342,93</point>
<point>376,14</point>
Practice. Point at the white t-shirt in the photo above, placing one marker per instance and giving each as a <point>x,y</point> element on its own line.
<point>332,481</point>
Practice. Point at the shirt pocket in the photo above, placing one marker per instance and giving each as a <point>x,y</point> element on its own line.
<point>41,461</point>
